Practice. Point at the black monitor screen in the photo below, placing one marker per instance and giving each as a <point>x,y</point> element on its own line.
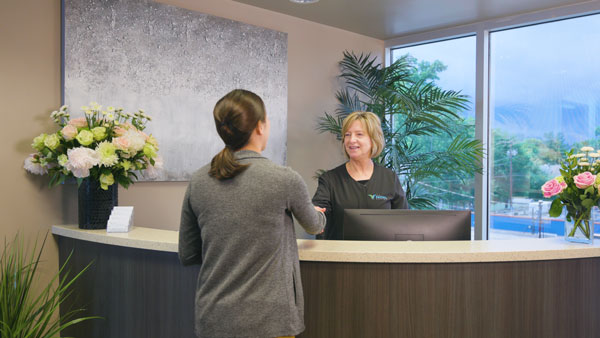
<point>406,225</point>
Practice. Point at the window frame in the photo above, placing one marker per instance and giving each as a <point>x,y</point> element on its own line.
<point>481,30</point>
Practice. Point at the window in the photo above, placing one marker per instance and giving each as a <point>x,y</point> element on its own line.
<point>537,89</point>
<point>450,64</point>
<point>544,99</point>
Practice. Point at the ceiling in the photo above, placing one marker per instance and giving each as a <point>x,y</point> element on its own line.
<point>386,19</point>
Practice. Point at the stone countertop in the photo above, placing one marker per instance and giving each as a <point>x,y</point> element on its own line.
<point>368,251</point>
<point>137,237</point>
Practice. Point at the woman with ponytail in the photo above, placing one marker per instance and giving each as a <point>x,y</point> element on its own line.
<point>236,222</point>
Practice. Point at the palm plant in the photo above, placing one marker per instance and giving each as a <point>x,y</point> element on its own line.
<point>409,111</point>
<point>22,313</point>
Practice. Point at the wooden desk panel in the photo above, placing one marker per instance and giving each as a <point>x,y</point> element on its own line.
<point>139,293</point>
<point>147,293</point>
<point>516,299</point>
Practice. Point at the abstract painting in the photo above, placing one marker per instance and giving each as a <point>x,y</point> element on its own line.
<point>174,64</point>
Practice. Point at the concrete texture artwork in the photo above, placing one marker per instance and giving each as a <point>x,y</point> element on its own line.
<point>175,64</point>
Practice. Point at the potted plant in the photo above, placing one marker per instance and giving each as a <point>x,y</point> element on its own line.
<point>576,190</point>
<point>23,313</point>
<point>409,109</point>
<point>101,149</point>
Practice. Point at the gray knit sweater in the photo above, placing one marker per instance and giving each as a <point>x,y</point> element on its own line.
<point>241,231</point>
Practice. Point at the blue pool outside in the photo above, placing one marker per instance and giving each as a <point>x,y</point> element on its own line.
<point>528,225</point>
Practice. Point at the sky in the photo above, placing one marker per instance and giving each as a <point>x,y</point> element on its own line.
<point>543,77</point>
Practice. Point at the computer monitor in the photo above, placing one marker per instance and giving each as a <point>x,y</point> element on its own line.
<point>406,225</point>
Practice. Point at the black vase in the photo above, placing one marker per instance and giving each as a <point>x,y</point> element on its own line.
<point>96,204</point>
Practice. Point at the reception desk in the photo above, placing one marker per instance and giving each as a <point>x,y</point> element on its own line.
<point>517,288</point>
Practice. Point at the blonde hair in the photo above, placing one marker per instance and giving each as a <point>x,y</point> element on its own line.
<point>371,124</point>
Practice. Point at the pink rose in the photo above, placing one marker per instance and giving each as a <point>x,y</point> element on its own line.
<point>78,122</point>
<point>69,132</point>
<point>552,187</point>
<point>584,180</point>
<point>119,131</point>
<point>122,143</point>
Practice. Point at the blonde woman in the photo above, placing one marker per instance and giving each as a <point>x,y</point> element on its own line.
<point>358,183</point>
<point>236,222</point>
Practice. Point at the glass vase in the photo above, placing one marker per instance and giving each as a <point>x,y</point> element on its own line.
<point>581,231</point>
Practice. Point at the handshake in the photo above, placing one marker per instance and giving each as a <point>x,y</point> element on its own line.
<point>323,211</point>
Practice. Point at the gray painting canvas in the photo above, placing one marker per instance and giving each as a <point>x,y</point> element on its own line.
<point>175,64</point>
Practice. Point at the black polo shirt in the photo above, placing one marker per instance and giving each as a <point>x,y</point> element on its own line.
<point>337,191</point>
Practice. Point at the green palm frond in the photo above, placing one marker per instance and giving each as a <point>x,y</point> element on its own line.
<point>361,73</point>
<point>399,73</point>
<point>318,173</point>
<point>460,160</point>
<point>330,124</point>
<point>348,103</point>
<point>421,202</point>
<point>434,111</point>
<point>417,197</point>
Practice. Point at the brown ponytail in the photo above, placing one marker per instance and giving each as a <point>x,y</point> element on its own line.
<point>236,116</point>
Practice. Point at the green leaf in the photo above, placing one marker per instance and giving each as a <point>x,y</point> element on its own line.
<point>590,190</point>
<point>421,203</point>
<point>123,181</point>
<point>53,178</point>
<point>25,310</point>
<point>588,203</point>
<point>555,208</point>
<point>571,210</point>
<point>331,125</point>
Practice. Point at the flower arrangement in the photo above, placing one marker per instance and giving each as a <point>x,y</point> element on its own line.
<point>577,189</point>
<point>108,146</point>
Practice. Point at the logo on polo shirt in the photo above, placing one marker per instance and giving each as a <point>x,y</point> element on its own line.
<point>377,197</point>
